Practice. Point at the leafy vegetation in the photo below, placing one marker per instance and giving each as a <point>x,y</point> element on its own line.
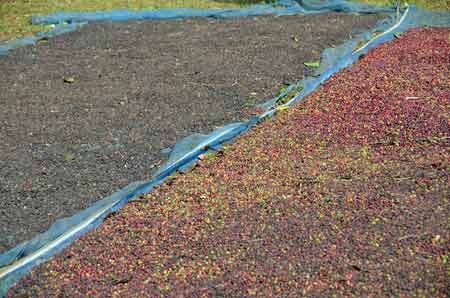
<point>312,64</point>
<point>289,95</point>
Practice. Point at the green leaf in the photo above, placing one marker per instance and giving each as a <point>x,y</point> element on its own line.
<point>312,64</point>
<point>398,34</point>
<point>69,157</point>
<point>282,108</point>
<point>69,80</point>
<point>43,39</point>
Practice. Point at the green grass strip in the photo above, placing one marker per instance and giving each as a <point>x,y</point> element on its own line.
<point>442,5</point>
<point>15,14</point>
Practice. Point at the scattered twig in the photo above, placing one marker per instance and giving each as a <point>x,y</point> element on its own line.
<point>417,236</point>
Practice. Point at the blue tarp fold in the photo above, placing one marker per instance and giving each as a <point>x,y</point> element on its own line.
<point>281,7</point>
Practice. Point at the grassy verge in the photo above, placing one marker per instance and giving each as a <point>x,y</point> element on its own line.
<point>428,4</point>
<point>15,14</point>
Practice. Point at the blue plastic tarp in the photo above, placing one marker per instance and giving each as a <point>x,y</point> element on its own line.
<point>59,29</point>
<point>282,7</point>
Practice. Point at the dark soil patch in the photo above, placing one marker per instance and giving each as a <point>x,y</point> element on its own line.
<point>86,113</point>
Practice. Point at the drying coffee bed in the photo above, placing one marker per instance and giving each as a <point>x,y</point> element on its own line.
<point>88,112</point>
<point>345,194</point>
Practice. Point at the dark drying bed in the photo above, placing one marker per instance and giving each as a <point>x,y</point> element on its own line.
<point>130,90</point>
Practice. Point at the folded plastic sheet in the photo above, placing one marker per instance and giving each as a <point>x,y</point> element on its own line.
<point>19,260</point>
<point>31,40</point>
<point>282,7</point>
